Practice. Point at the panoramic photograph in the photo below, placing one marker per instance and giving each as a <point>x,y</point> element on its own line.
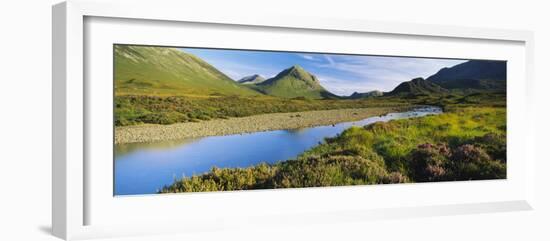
<point>206,120</point>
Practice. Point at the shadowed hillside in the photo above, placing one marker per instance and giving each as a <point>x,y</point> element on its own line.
<point>357,95</point>
<point>474,74</point>
<point>418,86</point>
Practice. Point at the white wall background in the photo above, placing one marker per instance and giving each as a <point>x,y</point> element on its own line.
<point>25,118</point>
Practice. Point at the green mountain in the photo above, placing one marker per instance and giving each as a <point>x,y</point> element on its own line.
<point>252,79</point>
<point>418,86</point>
<point>473,74</point>
<point>294,82</point>
<point>141,70</point>
<point>373,93</point>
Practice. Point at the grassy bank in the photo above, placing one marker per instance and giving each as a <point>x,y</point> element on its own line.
<point>136,110</point>
<point>465,143</point>
<point>459,100</point>
<point>255,123</point>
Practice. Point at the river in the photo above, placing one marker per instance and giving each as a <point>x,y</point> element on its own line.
<point>144,168</point>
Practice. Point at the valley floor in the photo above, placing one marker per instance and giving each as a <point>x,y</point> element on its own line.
<point>263,122</point>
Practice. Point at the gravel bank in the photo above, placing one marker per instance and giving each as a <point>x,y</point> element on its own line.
<point>264,122</point>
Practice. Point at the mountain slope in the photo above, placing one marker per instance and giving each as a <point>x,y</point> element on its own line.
<point>252,79</point>
<point>418,86</point>
<point>473,74</point>
<point>373,93</point>
<point>141,70</point>
<point>294,82</point>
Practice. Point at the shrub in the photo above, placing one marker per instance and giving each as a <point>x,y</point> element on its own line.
<point>396,177</point>
<point>306,172</point>
<point>473,163</point>
<point>494,144</point>
<point>428,161</point>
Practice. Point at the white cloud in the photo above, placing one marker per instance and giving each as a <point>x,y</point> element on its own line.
<point>329,59</point>
<point>308,57</point>
<point>365,73</point>
<point>341,74</point>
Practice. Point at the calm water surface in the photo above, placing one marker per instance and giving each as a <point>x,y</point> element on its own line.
<point>145,168</point>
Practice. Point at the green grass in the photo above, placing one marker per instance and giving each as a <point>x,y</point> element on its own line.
<point>466,143</point>
<point>458,99</point>
<point>133,110</point>
<point>396,139</point>
<point>144,109</point>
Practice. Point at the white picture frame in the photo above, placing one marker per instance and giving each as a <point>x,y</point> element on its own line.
<point>75,195</point>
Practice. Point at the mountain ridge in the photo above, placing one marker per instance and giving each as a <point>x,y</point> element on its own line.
<point>417,86</point>
<point>472,74</point>
<point>294,82</point>
<point>373,93</point>
<point>251,79</point>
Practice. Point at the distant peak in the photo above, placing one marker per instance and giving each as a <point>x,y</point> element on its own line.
<point>251,79</point>
<point>297,68</point>
<point>298,71</point>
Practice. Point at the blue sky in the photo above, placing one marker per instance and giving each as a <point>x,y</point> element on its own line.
<point>340,74</point>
